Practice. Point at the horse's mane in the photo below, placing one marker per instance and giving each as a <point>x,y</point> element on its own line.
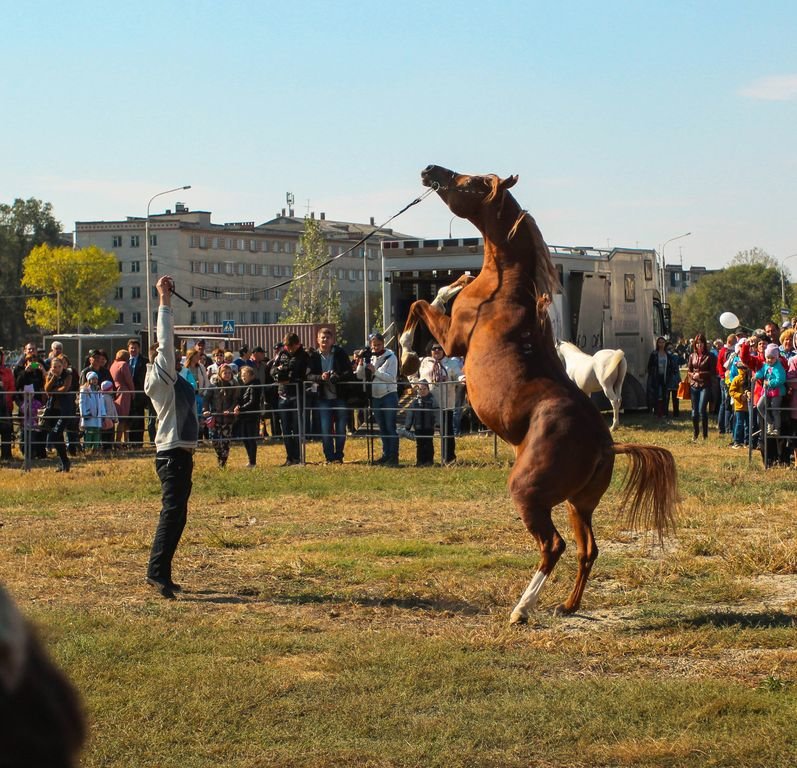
<point>546,278</point>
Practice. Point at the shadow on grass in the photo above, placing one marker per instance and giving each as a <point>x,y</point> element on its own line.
<point>727,619</point>
<point>248,596</point>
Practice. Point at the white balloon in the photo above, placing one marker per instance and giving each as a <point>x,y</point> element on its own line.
<point>729,320</point>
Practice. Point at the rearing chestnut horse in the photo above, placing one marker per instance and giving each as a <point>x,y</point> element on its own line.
<point>518,387</point>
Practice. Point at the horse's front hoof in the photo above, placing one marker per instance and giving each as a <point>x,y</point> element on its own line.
<point>410,364</point>
<point>518,618</point>
<point>563,610</point>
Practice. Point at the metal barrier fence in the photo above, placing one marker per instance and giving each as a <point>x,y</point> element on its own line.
<point>300,407</point>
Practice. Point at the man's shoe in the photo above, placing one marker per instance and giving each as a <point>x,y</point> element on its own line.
<point>164,589</point>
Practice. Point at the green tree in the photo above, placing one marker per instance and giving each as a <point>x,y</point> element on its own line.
<point>76,285</point>
<point>754,255</point>
<point>23,225</point>
<point>750,290</point>
<point>313,298</point>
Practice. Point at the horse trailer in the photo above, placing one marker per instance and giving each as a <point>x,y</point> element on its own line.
<point>608,298</point>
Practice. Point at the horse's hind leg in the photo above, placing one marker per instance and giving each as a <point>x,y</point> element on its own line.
<point>540,526</point>
<point>587,553</point>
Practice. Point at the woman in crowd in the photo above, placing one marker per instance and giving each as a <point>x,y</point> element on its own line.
<point>219,412</point>
<point>698,371</point>
<point>60,408</point>
<point>122,378</point>
<point>662,374</point>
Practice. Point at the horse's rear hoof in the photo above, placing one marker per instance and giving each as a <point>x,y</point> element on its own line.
<point>410,364</point>
<point>563,610</point>
<point>518,619</point>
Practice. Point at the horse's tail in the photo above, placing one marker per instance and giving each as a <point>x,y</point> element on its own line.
<point>650,492</point>
<point>617,360</point>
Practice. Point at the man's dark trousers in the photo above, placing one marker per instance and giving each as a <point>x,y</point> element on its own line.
<point>174,468</point>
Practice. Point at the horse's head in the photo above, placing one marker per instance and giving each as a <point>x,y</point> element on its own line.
<point>466,195</point>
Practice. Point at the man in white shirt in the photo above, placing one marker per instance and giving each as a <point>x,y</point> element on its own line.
<point>382,371</point>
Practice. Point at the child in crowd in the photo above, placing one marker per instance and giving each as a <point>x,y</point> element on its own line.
<point>248,412</point>
<point>739,390</point>
<point>111,417</point>
<point>92,410</point>
<point>420,419</point>
<point>773,379</point>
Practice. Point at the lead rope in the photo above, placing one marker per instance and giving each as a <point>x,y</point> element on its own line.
<point>435,186</point>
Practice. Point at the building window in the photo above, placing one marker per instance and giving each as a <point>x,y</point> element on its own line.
<point>267,317</point>
<point>153,239</point>
<point>135,241</point>
<point>629,282</point>
<point>193,317</point>
<point>242,269</point>
<point>253,269</point>
<point>120,318</point>
<point>154,292</point>
<point>214,243</point>
<point>135,292</point>
<point>120,266</point>
<point>203,241</point>
<point>204,317</point>
<point>242,317</point>
<point>117,241</point>
<point>264,246</point>
<point>254,317</point>
<point>214,268</point>
<point>135,266</point>
<point>217,318</point>
<point>229,267</point>
<point>118,292</point>
<point>289,247</point>
<point>136,318</point>
<point>153,267</point>
<point>195,241</point>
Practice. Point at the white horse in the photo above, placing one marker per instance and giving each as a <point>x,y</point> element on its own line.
<point>605,370</point>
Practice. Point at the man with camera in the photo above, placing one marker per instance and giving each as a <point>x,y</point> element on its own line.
<point>329,369</point>
<point>380,367</point>
<point>290,369</point>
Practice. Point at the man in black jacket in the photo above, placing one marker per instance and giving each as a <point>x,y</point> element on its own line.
<point>290,369</point>
<point>329,369</point>
<point>138,366</point>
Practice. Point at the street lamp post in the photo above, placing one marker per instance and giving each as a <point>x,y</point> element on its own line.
<point>663,281</point>
<point>783,282</point>
<point>148,279</point>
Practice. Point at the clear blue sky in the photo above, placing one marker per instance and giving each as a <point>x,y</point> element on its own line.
<point>628,122</point>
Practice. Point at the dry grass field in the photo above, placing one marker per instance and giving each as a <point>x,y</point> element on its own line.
<point>358,616</point>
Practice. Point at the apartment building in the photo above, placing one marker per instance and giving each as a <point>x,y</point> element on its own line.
<point>226,270</point>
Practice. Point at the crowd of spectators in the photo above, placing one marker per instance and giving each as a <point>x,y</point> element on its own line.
<point>293,395</point>
<point>748,383</point>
